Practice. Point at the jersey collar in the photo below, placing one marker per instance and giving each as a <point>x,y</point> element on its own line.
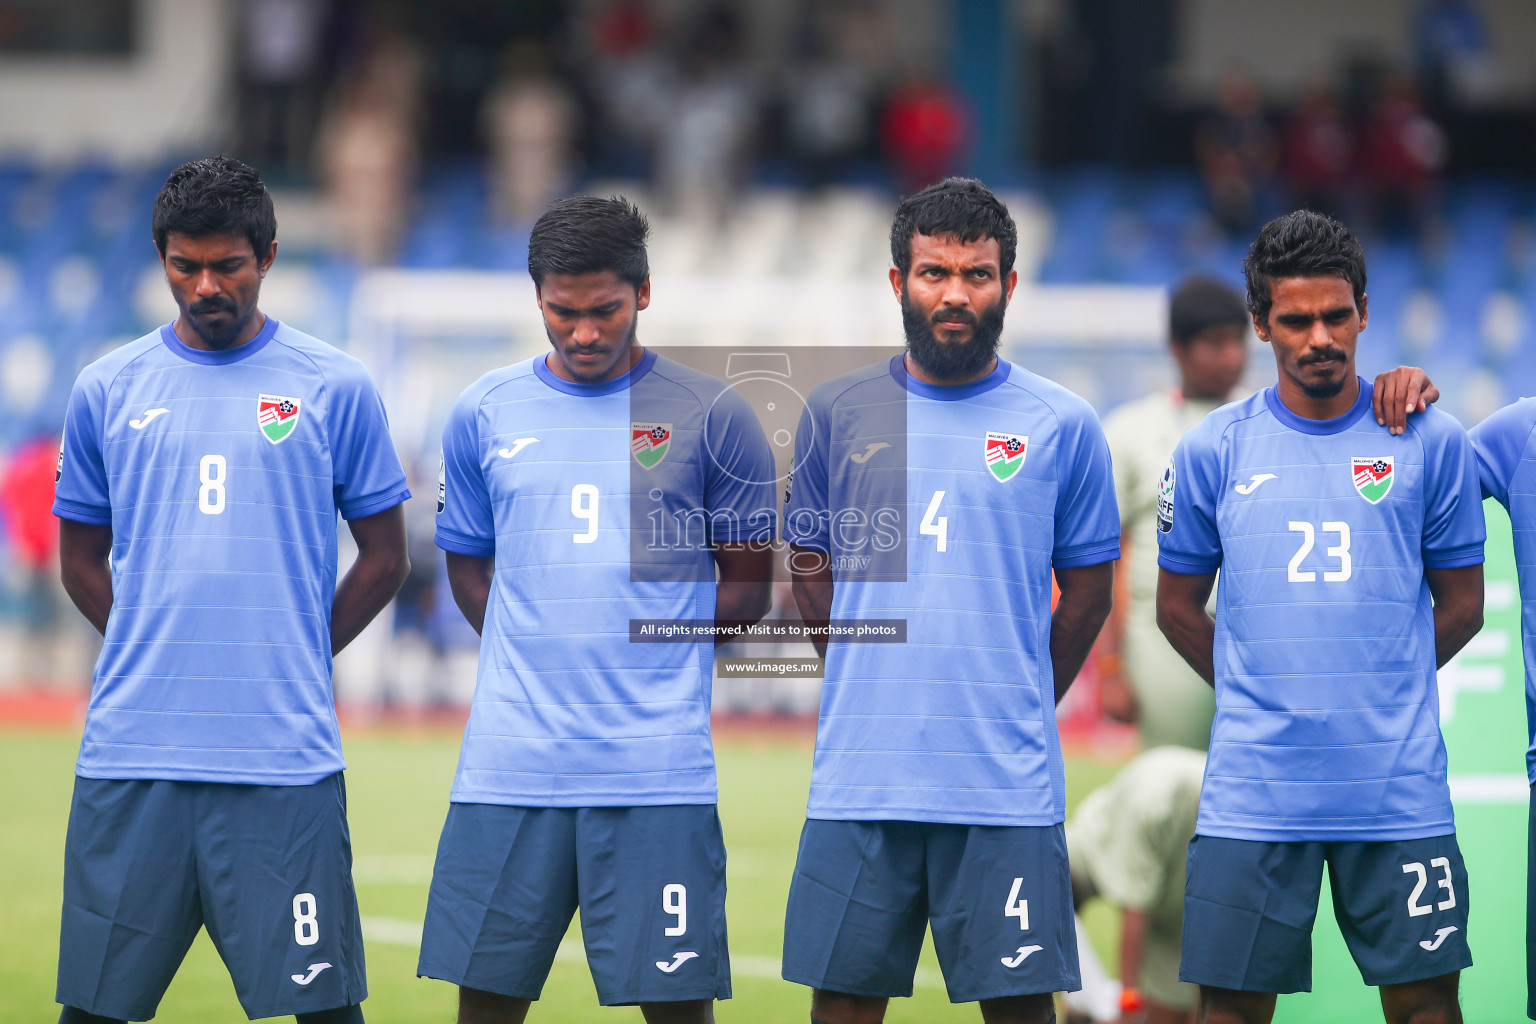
<point>1334,426</point>
<point>214,357</point>
<point>947,392</point>
<point>608,387</point>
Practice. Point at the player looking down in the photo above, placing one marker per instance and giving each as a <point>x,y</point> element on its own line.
<point>1351,560</point>
<point>209,460</point>
<point>587,775</point>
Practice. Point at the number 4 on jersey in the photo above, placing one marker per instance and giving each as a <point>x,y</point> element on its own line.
<point>933,524</point>
<point>1016,907</point>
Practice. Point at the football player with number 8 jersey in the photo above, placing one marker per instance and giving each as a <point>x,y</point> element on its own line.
<point>1351,568</point>
<point>582,490</point>
<point>209,460</point>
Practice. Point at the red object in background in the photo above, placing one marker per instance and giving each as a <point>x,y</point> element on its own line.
<point>925,128</point>
<point>26,497</point>
<point>1401,149</point>
<point>623,28</point>
<point>1317,149</point>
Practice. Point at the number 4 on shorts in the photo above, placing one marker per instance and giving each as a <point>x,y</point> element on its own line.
<point>1016,907</point>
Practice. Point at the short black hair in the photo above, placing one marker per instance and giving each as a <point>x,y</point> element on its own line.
<point>587,235</point>
<point>960,208</point>
<point>1302,244</point>
<point>1200,303</point>
<point>217,195</point>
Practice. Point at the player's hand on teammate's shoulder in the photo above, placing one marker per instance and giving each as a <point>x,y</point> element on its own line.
<point>1399,393</point>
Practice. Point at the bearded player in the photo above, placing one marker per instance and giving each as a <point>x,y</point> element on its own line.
<point>585,489</point>
<point>201,474</point>
<point>1351,561</point>
<point>941,489</point>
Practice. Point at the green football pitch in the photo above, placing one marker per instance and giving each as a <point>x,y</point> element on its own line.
<point>397,787</point>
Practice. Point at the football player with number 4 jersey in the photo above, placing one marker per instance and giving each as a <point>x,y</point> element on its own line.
<point>938,491</point>
<point>1351,568</point>
<point>585,490</point>
<point>209,460</point>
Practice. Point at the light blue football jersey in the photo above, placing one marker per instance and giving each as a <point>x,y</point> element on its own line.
<point>946,508</point>
<point>221,474</point>
<point>599,503</point>
<point>1327,715</point>
<point>1506,462</point>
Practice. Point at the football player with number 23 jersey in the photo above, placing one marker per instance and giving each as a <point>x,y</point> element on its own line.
<point>1351,568</point>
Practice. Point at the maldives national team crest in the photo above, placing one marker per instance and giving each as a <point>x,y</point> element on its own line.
<point>1005,454</point>
<point>648,442</point>
<point>1373,477</point>
<point>277,416</point>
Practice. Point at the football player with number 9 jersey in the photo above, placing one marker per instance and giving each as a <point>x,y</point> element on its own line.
<point>1351,568</point>
<point>584,489</point>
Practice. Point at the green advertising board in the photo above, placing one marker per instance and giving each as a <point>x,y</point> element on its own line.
<point>1483,715</point>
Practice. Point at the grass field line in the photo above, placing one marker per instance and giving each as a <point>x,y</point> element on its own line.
<point>395,931</point>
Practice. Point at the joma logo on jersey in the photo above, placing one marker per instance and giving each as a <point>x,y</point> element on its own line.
<point>1005,453</point>
<point>1373,477</point>
<point>277,416</point>
<point>648,442</point>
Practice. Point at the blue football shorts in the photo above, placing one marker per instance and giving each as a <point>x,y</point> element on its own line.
<point>1249,908</point>
<point>268,870</point>
<point>999,900</point>
<point>650,883</point>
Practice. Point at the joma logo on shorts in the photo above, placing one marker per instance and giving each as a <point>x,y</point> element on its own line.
<point>677,961</point>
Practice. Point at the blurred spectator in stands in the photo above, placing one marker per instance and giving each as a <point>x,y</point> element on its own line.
<point>530,120</point>
<point>704,140</point>
<point>924,129</point>
<point>280,44</point>
<point>1144,679</point>
<point>630,82</point>
<point>1235,152</point>
<point>828,94</point>
<point>32,535</point>
<point>369,147</point>
<point>1452,55</point>
<point>1399,160</point>
<point>1316,151</point>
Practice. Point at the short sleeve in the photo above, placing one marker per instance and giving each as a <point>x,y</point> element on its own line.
<point>1454,529</point>
<point>465,524</point>
<point>740,481</point>
<point>367,475</point>
<point>1499,443</point>
<point>1187,538</point>
<point>807,516</point>
<point>80,482</point>
<point>1087,518</point>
